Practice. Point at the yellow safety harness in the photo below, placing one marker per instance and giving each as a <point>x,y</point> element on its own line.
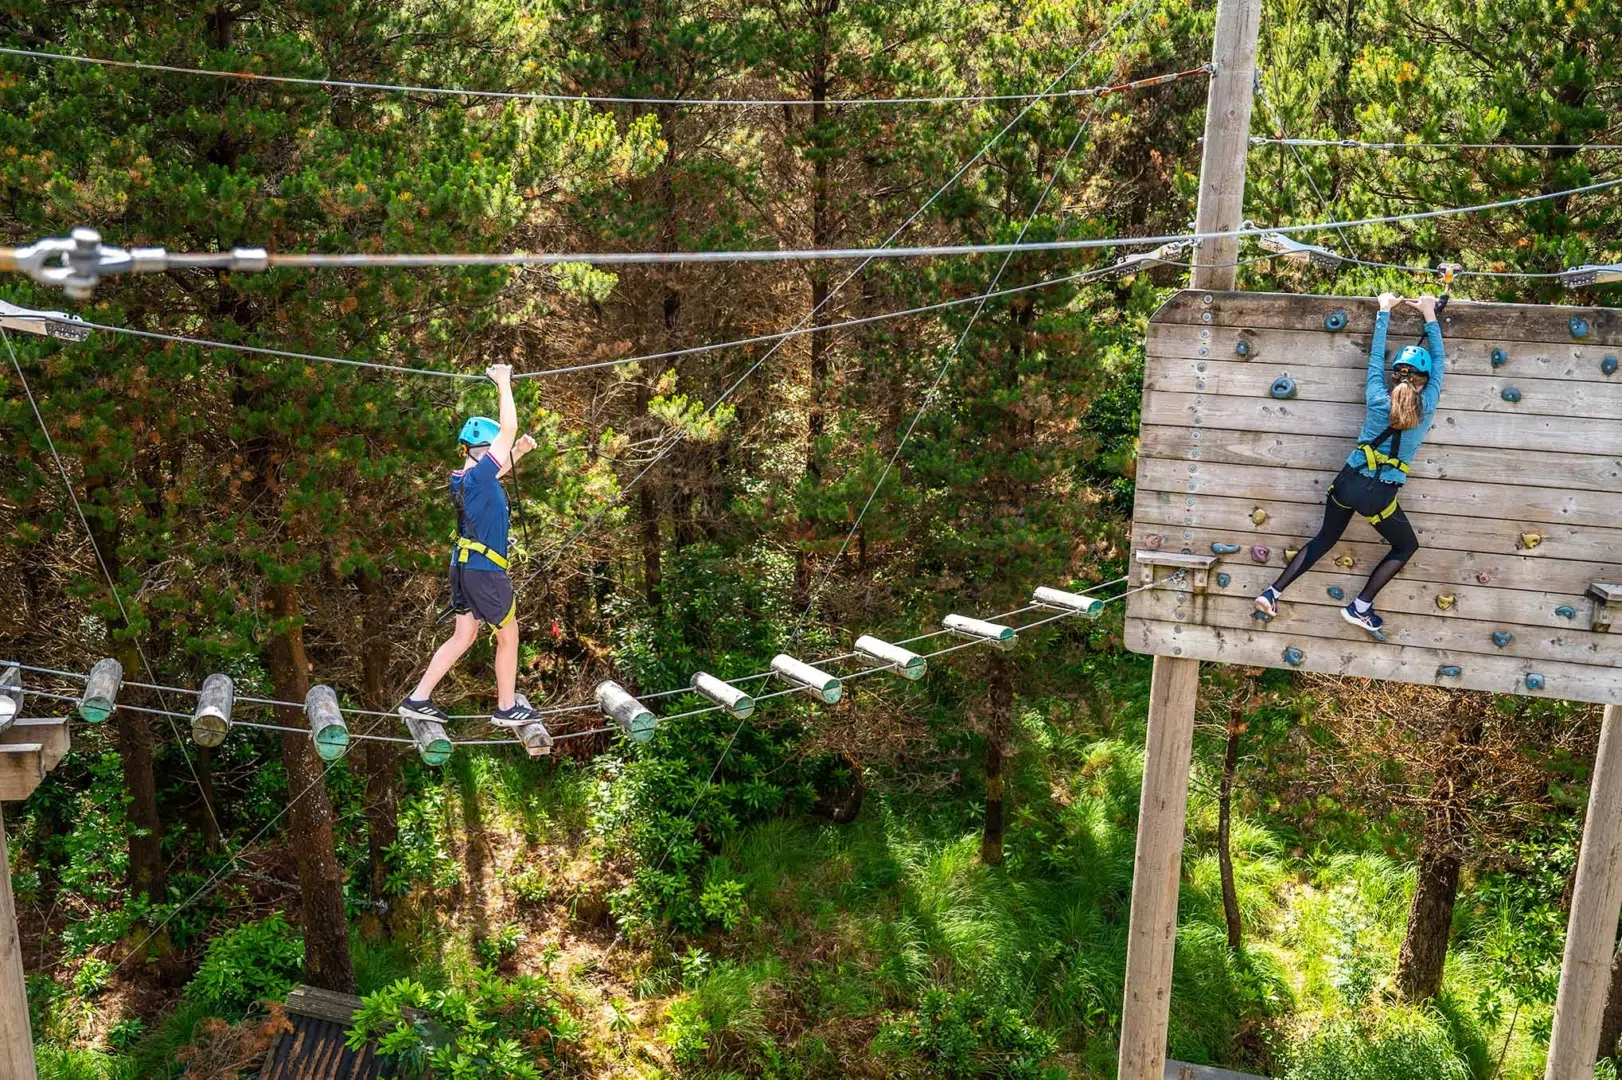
<point>466,545</point>
<point>1376,458</point>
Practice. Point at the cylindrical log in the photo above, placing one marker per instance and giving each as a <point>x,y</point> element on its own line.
<point>1090,606</point>
<point>11,695</point>
<point>814,681</point>
<point>994,634</point>
<point>633,718</point>
<point>724,694</point>
<point>101,690</point>
<point>536,739</point>
<point>902,661</point>
<point>433,745</point>
<point>328,731</point>
<point>212,719</point>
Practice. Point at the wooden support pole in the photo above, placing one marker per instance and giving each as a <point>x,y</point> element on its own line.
<point>1596,901</point>
<point>1163,809</point>
<point>1162,814</point>
<point>16,1040</point>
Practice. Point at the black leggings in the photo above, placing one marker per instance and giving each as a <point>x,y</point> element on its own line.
<point>1368,497</point>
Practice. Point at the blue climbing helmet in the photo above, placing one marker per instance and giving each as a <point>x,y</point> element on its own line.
<point>482,431</point>
<point>1410,356</point>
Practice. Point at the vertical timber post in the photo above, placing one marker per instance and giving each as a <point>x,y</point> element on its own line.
<point>1174,687</point>
<point>1596,901</point>
<point>16,1039</point>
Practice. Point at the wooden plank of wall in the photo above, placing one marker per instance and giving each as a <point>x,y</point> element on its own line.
<point>22,767</point>
<point>1309,614</point>
<point>1518,432</point>
<point>1371,660</point>
<point>1437,565</point>
<point>1268,486</point>
<point>1584,472</point>
<point>1508,608</point>
<point>1463,318</point>
<point>54,737</point>
<point>1181,511</point>
<point>1474,393</point>
<point>1568,361</point>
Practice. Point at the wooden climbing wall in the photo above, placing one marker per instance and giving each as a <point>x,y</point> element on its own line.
<point>1517,504</point>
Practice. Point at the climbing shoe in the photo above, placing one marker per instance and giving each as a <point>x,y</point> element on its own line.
<point>412,709</point>
<point>517,716</point>
<point>1267,602</point>
<point>1366,620</point>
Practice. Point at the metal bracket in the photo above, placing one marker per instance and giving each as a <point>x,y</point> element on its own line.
<point>77,263</point>
<point>1196,568</point>
<point>53,324</point>
<point>1607,603</point>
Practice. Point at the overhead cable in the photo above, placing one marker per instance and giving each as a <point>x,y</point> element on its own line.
<point>596,99</point>
<point>1358,144</point>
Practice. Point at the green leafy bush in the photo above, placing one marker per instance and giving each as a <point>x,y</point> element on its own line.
<point>962,1037</point>
<point>92,977</point>
<point>492,949</point>
<point>1403,1044</point>
<point>496,1029</point>
<point>257,961</point>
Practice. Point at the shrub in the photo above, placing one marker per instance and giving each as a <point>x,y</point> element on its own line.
<point>1404,1044</point>
<point>92,977</point>
<point>494,948</point>
<point>257,961</point>
<point>512,1029</point>
<point>723,1011</point>
<point>962,1037</point>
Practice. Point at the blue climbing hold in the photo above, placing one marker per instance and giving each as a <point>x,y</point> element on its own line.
<point>1566,611</point>
<point>1335,320</point>
<point>1510,394</point>
<point>1219,548</point>
<point>1451,671</point>
<point>1534,681</point>
<point>1224,580</point>
<point>1607,366</point>
<point>1242,347</point>
<point>1261,616</point>
<point>1579,327</point>
<point>1501,638</point>
<point>1337,592</point>
<point>1283,387</point>
<point>1294,656</point>
<point>1499,358</point>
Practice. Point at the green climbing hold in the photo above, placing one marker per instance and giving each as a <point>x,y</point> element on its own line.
<point>1510,394</point>
<point>1501,638</point>
<point>1294,656</point>
<point>1283,388</point>
<point>1451,671</point>
<point>1499,358</point>
<point>1534,681</point>
<point>1223,580</point>
<point>1337,593</point>
<point>1579,327</point>
<point>1566,611</point>
<point>1242,347</point>
<point>1607,366</point>
<point>1219,548</point>
<point>1335,320</point>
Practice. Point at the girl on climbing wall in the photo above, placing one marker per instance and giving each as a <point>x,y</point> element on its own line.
<point>1397,420</point>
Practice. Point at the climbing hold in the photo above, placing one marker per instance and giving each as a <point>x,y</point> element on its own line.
<point>1154,540</point>
<point>1335,320</point>
<point>1261,616</point>
<point>1499,358</point>
<point>1510,394</point>
<point>1345,561</point>
<point>1337,593</point>
<point>1451,671</point>
<point>1501,638</point>
<point>1444,601</point>
<point>1290,554</point>
<point>1257,516</point>
<point>1579,327</point>
<point>1566,611</point>
<point>1223,580</point>
<point>1534,681</point>
<point>1293,656</point>
<point>1482,578</point>
<point>1283,388</point>
<point>1260,553</point>
<point>1242,347</point>
<point>1528,541</point>
<point>1219,548</point>
<point>1607,366</point>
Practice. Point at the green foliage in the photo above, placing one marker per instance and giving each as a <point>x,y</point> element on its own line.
<point>92,977</point>
<point>1388,1044</point>
<point>723,1011</point>
<point>250,963</point>
<point>962,1037</point>
<point>493,949</point>
<point>495,1028</point>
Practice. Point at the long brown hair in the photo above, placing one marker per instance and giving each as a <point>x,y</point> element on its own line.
<point>1405,413</point>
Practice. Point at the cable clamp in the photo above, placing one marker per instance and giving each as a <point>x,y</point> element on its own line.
<point>52,324</point>
<point>76,263</point>
<point>1447,270</point>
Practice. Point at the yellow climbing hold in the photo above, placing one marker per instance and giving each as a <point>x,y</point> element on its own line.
<point>1529,541</point>
<point>1345,561</point>
<point>1257,516</point>
<point>1444,601</point>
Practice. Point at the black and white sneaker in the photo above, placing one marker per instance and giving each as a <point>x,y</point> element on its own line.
<point>412,709</point>
<point>517,716</point>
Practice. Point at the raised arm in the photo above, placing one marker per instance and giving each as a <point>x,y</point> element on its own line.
<point>501,446</point>
<point>1433,341</point>
<point>1374,391</point>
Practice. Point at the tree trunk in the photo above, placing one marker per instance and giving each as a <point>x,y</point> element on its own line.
<point>1230,764</point>
<point>1441,855</point>
<point>1610,1029</point>
<point>379,760</point>
<point>652,574</point>
<point>309,815</point>
<point>203,762</point>
<point>1000,692</point>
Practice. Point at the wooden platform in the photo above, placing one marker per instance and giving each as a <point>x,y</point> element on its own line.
<point>1518,505</point>
<point>316,1048</point>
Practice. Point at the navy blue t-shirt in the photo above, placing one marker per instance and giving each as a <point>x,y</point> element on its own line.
<point>484,509</point>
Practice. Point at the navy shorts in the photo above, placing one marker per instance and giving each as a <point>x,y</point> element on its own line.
<point>487,594</point>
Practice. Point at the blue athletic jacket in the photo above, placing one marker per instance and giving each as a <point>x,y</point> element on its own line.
<point>1378,417</point>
